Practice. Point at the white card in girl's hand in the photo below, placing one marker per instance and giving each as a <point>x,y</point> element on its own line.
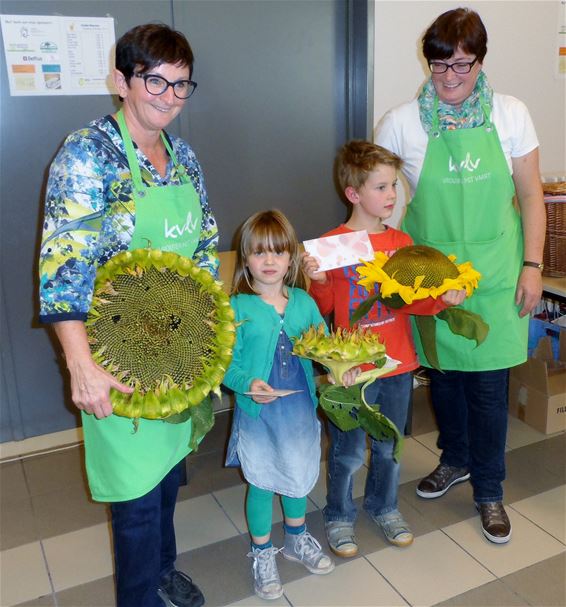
<point>276,393</point>
<point>340,250</point>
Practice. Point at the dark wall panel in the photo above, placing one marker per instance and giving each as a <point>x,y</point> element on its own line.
<point>265,122</point>
<point>269,111</point>
<point>31,130</point>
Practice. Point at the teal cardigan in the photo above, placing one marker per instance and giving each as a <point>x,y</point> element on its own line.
<point>256,340</point>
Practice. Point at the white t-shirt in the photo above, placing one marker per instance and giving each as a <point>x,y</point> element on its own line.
<point>400,131</point>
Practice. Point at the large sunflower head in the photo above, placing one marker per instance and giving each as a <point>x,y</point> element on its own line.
<point>163,326</point>
<point>417,272</point>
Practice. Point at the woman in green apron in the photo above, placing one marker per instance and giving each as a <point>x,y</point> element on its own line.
<point>119,184</point>
<point>467,153</point>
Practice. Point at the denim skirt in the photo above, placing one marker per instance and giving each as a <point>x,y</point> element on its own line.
<point>279,451</point>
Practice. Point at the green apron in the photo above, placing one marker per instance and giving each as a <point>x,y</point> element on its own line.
<point>123,464</point>
<point>463,205</point>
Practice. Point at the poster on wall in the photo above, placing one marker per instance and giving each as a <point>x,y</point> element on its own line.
<point>58,55</point>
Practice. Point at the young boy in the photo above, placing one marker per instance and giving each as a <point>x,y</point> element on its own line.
<point>367,175</point>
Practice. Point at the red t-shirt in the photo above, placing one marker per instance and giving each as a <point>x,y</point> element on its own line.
<point>341,295</point>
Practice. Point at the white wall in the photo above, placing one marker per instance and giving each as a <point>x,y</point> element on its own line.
<point>520,61</point>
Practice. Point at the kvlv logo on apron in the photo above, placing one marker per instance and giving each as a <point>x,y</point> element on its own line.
<point>463,205</point>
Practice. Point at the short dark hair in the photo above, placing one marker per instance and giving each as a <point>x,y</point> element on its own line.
<point>461,27</point>
<point>147,46</point>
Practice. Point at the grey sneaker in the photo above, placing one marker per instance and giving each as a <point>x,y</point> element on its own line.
<point>341,538</point>
<point>303,548</point>
<point>267,584</point>
<point>395,528</point>
<point>437,483</point>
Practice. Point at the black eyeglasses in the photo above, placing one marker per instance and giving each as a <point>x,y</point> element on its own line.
<point>460,67</point>
<point>157,85</point>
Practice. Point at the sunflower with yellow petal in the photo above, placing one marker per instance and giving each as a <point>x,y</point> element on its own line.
<point>418,272</point>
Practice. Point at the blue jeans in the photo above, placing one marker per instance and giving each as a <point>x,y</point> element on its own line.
<point>347,453</point>
<point>144,542</point>
<point>471,413</point>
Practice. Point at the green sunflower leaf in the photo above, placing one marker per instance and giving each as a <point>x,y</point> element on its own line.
<point>363,309</point>
<point>347,409</point>
<point>380,427</point>
<point>465,323</point>
<point>340,405</point>
<point>426,326</point>
<point>203,420</point>
<point>395,301</point>
<point>179,418</point>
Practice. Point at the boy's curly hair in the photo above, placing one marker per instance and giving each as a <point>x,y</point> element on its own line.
<point>357,159</point>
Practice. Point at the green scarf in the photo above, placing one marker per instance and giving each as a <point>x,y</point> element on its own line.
<point>468,115</point>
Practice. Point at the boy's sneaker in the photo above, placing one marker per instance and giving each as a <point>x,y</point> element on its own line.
<point>437,483</point>
<point>495,523</point>
<point>303,548</point>
<point>341,538</point>
<point>395,528</point>
<point>176,589</point>
<point>267,584</point>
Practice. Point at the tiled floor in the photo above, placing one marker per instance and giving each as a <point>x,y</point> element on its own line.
<point>56,545</point>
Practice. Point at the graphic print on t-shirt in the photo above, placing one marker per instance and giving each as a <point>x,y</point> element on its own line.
<point>378,313</point>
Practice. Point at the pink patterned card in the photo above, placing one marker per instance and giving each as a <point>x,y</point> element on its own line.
<point>340,250</point>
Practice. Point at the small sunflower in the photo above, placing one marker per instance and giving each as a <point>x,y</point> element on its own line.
<point>339,351</point>
<point>417,272</point>
<point>342,350</point>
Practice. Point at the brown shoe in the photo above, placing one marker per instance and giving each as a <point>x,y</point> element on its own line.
<point>495,523</point>
<point>440,480</point>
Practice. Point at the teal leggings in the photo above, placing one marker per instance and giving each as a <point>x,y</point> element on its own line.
<point>259,509</point>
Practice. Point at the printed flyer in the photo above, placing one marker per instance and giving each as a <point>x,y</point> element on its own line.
<point>58,55</point>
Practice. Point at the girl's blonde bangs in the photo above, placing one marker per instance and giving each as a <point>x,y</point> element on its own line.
<point>269,236</point>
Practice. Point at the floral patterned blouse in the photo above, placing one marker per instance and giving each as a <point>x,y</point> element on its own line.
<point>90,215</point>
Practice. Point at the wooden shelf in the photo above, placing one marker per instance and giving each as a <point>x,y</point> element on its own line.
<point>554,286</point>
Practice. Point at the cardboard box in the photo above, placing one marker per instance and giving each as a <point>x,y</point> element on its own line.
<point>537,388</point>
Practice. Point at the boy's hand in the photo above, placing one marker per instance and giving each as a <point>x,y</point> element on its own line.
<point>259,385</point>
<point>310,268</point>
<point>454,297</point>
<point>348,379</point>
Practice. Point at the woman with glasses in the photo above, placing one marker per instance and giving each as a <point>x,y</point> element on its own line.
<point>123,183</point>
<point>468,152</point>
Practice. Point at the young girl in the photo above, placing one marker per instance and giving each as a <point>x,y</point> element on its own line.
<point>276,440</point>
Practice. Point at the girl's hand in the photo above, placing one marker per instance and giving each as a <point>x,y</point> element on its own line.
<point>454,297</point>
<point>310,268</point>
<point>259,385</point>
<point>348,379</point>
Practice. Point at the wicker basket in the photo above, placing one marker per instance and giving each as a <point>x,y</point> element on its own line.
<point>555,243</point>
<point>555,255</point>
<point>556,188</point>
